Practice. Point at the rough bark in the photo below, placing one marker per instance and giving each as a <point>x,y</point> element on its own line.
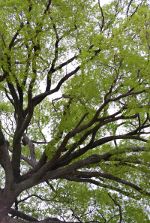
<point>7,198</point>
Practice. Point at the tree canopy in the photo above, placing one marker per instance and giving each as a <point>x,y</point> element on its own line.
<point>74,111</point>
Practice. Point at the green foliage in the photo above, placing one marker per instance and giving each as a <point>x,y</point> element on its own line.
<point>5,107</point>
<point>74,78</point>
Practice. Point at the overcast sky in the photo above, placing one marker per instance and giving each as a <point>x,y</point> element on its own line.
<point>104,1</point>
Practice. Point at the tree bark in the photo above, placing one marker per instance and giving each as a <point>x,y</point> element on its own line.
<point>6,201</point>
<point>8,219</point>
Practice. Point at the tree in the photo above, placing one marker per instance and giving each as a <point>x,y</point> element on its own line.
<point>75,111</point>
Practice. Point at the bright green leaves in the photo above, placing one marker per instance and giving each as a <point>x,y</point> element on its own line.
<point>113,77</point>
<point>26,151</point>
<point>135,214</point>
<point>74,197</point>
<point>84,89</point>
<point>51,148</point>
<point>11,3</point>
<point>146,155</point>
<point>5,107</point>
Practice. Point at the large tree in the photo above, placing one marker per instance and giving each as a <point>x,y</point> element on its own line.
<point>75,111</point>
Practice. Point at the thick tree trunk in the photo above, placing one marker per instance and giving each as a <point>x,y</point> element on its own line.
<point>13,220</point>
<point>4,209</point>
<point>3,213</point>
<point>8,219</point>
<point>6,201</point>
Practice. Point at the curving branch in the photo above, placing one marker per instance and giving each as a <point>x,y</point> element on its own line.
<point>5,162</point>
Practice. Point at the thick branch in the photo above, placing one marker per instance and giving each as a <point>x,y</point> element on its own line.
<point>5,162</point>
<point>37,99</point>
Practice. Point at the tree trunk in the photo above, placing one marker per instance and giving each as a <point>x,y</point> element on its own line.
<point>3,212</point>
<point>13,220</point>
<point>6,201</point>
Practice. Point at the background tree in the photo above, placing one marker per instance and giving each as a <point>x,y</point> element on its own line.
<point>75,118</point>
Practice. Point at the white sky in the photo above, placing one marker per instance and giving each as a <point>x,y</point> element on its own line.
<point>104,1</point>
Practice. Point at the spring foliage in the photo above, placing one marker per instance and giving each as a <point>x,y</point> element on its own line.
<point>75,109</point>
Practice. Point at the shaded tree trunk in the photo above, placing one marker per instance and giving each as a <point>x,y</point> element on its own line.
<point>6,201</point>
<point>8,219</point>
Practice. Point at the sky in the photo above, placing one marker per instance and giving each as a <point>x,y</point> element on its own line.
<point>104,1</point>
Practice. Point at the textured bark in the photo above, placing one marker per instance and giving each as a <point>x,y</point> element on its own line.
<point>12,220</point>
<point>3,209</point>
<point>6,200</point>
<point>15,220</point>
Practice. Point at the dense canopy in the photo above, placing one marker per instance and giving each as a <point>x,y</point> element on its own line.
<point>74,111</point>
